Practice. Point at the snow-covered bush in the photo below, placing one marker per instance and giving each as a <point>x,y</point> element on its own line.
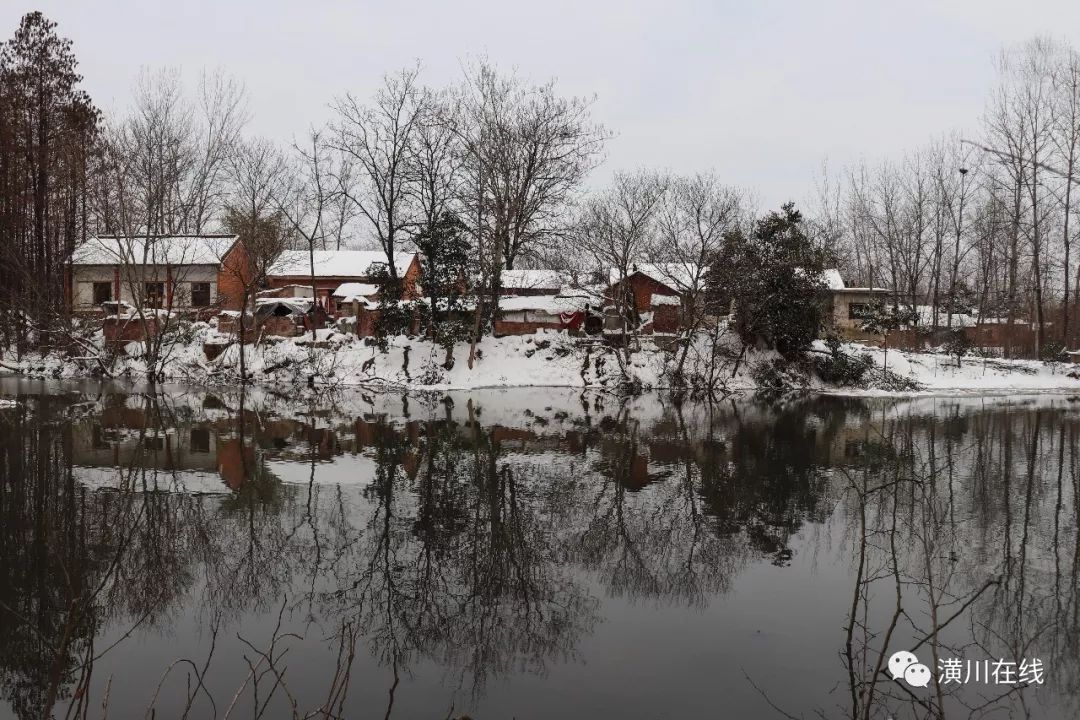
<point>841,368</point>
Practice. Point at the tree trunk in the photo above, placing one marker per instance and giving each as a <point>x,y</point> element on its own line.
<point>314,291</point>
<point>1066,242</point>
<point>242,326</point>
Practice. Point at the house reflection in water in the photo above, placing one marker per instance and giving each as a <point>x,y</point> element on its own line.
<point>200,457</point>
<point>220,450</point>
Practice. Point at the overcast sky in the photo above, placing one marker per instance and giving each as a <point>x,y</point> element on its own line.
<point>762,92</point>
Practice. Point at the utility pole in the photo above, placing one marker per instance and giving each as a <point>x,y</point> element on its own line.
<point>956,250</point>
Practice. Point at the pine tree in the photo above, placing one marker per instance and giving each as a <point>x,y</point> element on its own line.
<point>48,131</point>
<point>773,280</point>
<point>445,254</point>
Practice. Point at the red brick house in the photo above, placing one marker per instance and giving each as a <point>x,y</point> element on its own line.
<point>334,268</point>
<point>176,272</point>
<point>642,282</point>
<point>656,291</point>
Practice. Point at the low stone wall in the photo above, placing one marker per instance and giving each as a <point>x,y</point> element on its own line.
<point>280,326</point>
<point>124,330</point>
<point>514,327</point>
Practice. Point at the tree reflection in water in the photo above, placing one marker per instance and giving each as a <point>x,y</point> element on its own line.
<point>489,544</point>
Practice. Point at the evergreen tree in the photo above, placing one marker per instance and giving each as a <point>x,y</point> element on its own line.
<point>395,317</point>
<point>48,134</point>
<point>773,281</point>
<point>445,251</point>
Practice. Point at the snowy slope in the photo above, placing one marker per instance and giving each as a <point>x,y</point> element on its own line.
<point>937,373</point>
<point>546,359</point>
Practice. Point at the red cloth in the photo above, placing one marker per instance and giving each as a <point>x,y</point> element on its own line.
<point>571,320</point>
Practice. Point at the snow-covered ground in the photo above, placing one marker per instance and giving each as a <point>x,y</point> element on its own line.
<point>937,373</point>
<point>335,359</point>
<point>546,359</point>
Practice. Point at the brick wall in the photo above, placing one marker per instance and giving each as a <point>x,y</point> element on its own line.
<point>282,326</point>
<point>326,285</point>
<point>1018,339</point>
<point>367,321</point>
<point>513,327</point>
<point>124,330</point>
<point>526,292</point>
<point>410,281</point>
<point>236,272</point>
<point>642,287</point>
<point>665,318</point>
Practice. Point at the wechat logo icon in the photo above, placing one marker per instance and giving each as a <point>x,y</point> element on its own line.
<point>904,665</point>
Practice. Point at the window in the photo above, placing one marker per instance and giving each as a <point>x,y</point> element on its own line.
<point>200,294</point>
<point>154,293</point>
<point>858,311</point>
<point>200,440</point>
<point>102,292</point>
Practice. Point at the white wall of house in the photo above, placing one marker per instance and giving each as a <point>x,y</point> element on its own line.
<point>132,279</point>
<point>842,307</point>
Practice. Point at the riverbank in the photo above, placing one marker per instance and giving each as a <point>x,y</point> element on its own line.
<point>936,373</point>
<point>546,359</point>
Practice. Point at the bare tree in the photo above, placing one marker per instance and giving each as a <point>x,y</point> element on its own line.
<point>525,152</point>
<point>1066,139</point>
<point>1019,122</point>
<point>1034,98</point>
<point>891,202</point>
<point>302,202</point>
<point>257,171</point>
<point>222,109</point>
<point>534,149</point>
<point>696,215</point>
<point>375,144</point>
<point>435,164</point>
<point>165,168</point>
<point>615,229</point>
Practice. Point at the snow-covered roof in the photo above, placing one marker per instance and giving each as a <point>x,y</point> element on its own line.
<point>355,291</point>
<point>546,303</point>
<point>160,250</point>
<point>337,263</point>
<point>1003,321</point>
<point>532,279</point>
<point>674,275</point>
<point>665,300</point>
<point>829,277</point>
<point>297,305</point>
<point>832,279</point>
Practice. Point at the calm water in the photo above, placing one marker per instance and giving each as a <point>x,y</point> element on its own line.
<point>533,554</point>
